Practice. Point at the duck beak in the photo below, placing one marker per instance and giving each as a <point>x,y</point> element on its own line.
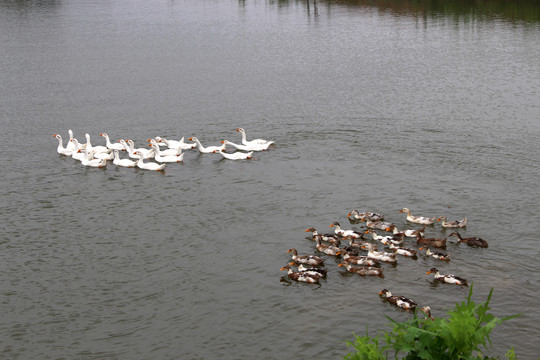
<point>349,214</point>
<point>332,225</point>
<point>307,230</point>
<point>429,272</point>
<point>340,264</point>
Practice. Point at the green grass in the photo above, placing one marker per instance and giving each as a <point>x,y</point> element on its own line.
<point>464,334</point>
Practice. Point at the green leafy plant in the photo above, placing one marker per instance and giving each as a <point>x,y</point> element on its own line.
<point>463,335</point>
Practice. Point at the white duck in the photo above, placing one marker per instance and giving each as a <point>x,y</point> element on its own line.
<point>95,149</point>
<point>130,148</point>
<point>250,147</point>
<point>166,152</point>
<point>236,155</point>
<point>123,162</point>
<point>174,144</point>
<point>115,146</point>
<point>344,233</point>
<point>61,149</point>
<point>256,141</point>
<point>382,256</point>
<point>150,165</point>
<point>89,161</point>
<point>166,158</point>
<point>71,145</point>
<point>206,150</point>
<point>418,219</point>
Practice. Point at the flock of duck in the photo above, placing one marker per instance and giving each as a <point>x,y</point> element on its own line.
<point>347,244</point>
<point>161,150</point>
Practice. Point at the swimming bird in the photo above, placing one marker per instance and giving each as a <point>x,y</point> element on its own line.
<point>206,150</point>
<point>380,225</point>
<point>238,155</point>
<point>249,147</point>
<point>175,144</point>
<point>471,241</point>
<point>368,215</point>
<point>123,162</point>
<point>306,259</point>
<point>165,152</point>
<point>427,311</point>
<point>408,232</point>
<point>255,141</point>
<point>343,233</point>
<point>150,165</point>
<point>403,251</point>
<point>418,219</point>
<point>380,255</point>
<point>109,145</point>
<point>432,242</point>
<point>363,270</point>
<point>97,148</point>
<point>449,278</point>
<point>302,276</point>
<point>312,270</point>
<point>324,237</point>
<point>87,160</point>
<point>399,301</point>
<point>436,254</point>
<point>357,260</point>
<point>327,249</point>
<point>453,224</point>
<point>61,149</point>
<point>160,158</point>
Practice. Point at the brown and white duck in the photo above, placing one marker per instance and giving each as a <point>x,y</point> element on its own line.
<point>343,233</point>
<point>357,260</point>
<point>449,278</point>
<point>408,232</point>
<point>418,219</point>
<point>363,270</point>
<point>399,301</point>
<point>431,242</point>
<point>301,276</point>
<point>312,270</point>
<point>403,251</point>
<point>380,225</point>
<point>327,249</point>
<point>306,259</point>
<point>471,241</point>
<point>436,254</point>
<point>453,224</point>
<point>427,311</point>
<point>368,215</point>
<point>381,256</point>
<point>324,237</point>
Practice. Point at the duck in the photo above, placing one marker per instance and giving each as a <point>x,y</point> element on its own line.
<point>354,243</point>
<point>96,149</point>
<point>363,270</point>
<point>150,165</point>
<point>160,158</point>
<point>87,160</point>
<point>449,278</point>
<point>175,144</point>
<point>410,233</point>
<point>381,256</point>
<point>403,251</point>
<point>380,225</point>
<point>324,237</point>
<point>392,239</point>
<point>343,233</point>
<point>306,259</point>
<point>436,254</point>
<point>357,260</point>
<point>61,149</point>
<point>399,301</point>
<point>418,219</point>
<point>123,162</point>
<point>166,152</point>
<point>109,145</point>
<point>368,215</point>
<point>427,311</point>
<point>252,142</point>
<point>453,224</point>
<point>249,147</point>
<point>471,241</point>
<point>302,276</point>
<point>206,150</point>
<point>327,249</point>
<point>238,155</point>
<point>433,242</point>
<point>312,270</point>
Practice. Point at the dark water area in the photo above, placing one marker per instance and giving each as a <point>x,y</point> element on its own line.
<point>373,106</point>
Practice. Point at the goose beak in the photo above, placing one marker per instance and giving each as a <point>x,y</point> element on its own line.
<point>55,135</point>
<point>190,139</point>
<point>223,142</point>
<point>238,129</point>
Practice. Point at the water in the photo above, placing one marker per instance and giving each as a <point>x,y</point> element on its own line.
<point>374,108</point>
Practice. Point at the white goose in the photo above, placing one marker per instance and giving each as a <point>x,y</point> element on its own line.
<point>115,146</point>
<point>95,149</point>
<point>71,145</point>
<point>78,154</point>
<point>150,165</point>
<point>206,150</point>
<point>130,148</point>
<point>166,152</point>
<point>89,161</point>
<point>256,141</point>
<point>103,155</point>
<point>61,149</point>
<point>250,147</point>
<point>166,158</point>
<point>236,155</point>
<point>123,162</point>
<point>174,144</point>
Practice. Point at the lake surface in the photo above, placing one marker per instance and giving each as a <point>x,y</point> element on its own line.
<point>372,107</point>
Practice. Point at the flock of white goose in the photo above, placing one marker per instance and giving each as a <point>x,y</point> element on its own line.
<point>161,150</point>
